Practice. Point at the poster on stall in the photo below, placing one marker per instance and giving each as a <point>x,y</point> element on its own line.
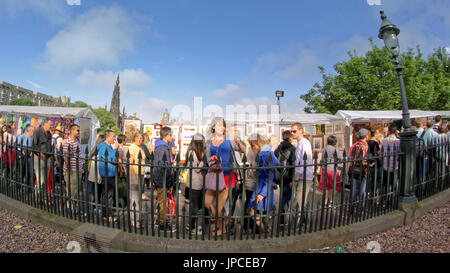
<point>176,137</point>
<point>187,133</point>
<point>148,129</point>
<point>131,127</point>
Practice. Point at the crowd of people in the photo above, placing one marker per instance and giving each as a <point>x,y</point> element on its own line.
<point>47,152</point>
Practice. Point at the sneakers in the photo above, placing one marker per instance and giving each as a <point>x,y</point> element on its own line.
<point>196,230</point>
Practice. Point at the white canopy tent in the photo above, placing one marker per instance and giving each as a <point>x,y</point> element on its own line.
<point>308,118</point>
<point>444,114</point>
<point>60,112</point>
<point>364,116</point>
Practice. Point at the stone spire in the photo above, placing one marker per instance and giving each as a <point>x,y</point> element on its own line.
<point>115,103</point>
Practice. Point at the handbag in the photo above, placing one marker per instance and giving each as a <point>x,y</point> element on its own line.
<point>211,181</point>
<point>171,207</point>
<point>239,177</point>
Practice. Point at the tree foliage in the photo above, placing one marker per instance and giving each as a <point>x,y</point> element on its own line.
<point>370,83</point>
<point>80,104</point>
<point>106,121</point>
<point>22,101</point>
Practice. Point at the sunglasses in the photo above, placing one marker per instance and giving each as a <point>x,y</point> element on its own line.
<point>294,131</point>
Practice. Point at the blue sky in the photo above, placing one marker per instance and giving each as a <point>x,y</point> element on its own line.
<point>228,52</point>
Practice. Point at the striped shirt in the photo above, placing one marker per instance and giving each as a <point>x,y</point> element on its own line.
<point>74,146</point>
<point>390,144</point>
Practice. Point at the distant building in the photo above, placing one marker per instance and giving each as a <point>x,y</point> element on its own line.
<point>10,92</point>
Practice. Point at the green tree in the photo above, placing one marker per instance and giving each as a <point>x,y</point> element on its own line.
<point>106,121</point>
<point>370,83</point>
<point>80,104</point>
<point>22,101</point>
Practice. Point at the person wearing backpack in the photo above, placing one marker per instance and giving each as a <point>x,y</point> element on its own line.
<point>358,167</point>
<point>163,169</point>
<point>285,153</point>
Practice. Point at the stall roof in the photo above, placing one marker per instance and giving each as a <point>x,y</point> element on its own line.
<point>289,118</point>
<point>444,114</point>
<point>45,111</point>
<point>309,118</point>
<point>350,116</point>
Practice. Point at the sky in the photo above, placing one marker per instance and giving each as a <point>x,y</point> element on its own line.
<point>230,52</point>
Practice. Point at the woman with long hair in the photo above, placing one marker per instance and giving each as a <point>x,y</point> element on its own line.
<point>250,178</point>
<point>194,155</point>
<point>137,156</point>
<point>263,196</point>
<point>220,145</point>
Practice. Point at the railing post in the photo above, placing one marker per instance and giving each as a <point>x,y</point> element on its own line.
<point>408,166</point>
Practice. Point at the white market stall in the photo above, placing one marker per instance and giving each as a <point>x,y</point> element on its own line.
<point>445,115</point>
<point>319,125</point>
<point>64,116</point>
<point>314,123</point>
<point>377,119</point>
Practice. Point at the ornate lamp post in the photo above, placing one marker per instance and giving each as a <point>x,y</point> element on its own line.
<point>389,32</point>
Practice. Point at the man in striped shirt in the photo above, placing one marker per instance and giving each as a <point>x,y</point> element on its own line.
<point>390,146</point>
<point>72,150</point>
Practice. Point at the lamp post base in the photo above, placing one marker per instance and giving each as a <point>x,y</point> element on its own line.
<point>408,199</point>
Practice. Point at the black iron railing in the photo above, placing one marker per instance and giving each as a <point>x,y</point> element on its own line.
<point>432,167</point>
<point>118,203</point>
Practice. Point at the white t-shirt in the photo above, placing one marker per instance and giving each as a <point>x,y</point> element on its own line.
<point>304,146</point>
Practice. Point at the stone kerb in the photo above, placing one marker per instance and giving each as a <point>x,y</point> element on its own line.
<point>117,240</point>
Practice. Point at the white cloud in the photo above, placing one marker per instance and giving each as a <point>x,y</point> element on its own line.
<point>55,11</point>
<point>36,85</point>
<point>99,37</point>
<point>356,42</point>
<point>256,101</point>
<point>130,79</point>
<point>304,65</point>
<point>150,110</point>
<point>231,91</point>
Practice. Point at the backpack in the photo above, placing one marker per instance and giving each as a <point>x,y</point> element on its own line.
<point>420,145</point>
<point>54,144</point>
<point>285,173</point>
<point>356,168</point>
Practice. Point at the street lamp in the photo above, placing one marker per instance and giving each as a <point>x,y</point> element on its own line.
<point>388,33</point>
<point>279,94</point>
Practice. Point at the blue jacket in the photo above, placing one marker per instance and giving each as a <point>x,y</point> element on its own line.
<point>102,148</point>
<point>161,149</point>
<point>264,186</point>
